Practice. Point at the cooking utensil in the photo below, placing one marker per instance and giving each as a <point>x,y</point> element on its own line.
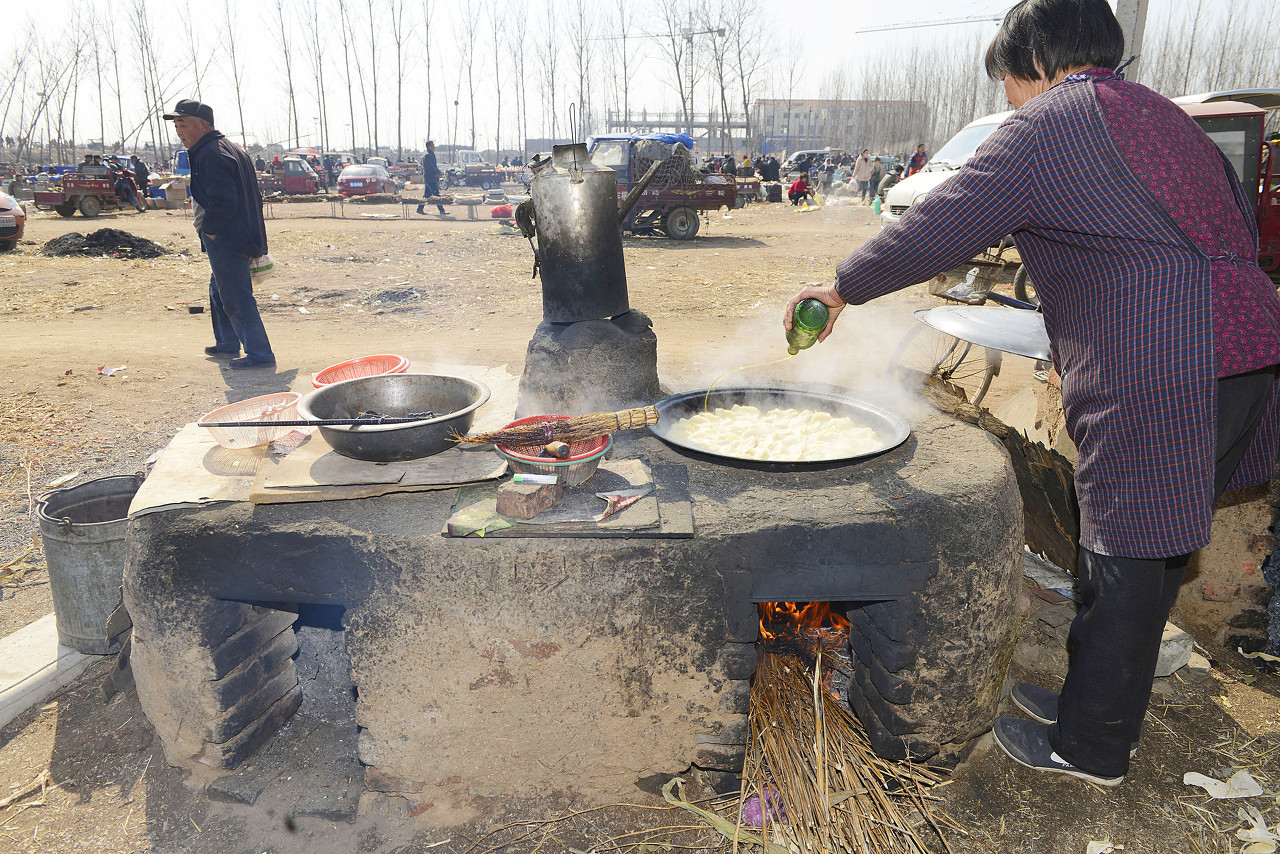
<point>891,429</point>
<point>1009,330</point>
<point>328,422</point>
<point>542,430</point>
<point>457,397</point>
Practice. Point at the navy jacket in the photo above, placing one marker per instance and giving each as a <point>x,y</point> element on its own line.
<point>224,183</point>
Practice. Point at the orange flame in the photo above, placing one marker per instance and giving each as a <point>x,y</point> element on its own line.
<point>790,619</point>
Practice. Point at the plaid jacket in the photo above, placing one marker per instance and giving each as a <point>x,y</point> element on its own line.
<point>1126,301</point>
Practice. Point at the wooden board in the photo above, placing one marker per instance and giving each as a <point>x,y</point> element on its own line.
<point>670,502</point>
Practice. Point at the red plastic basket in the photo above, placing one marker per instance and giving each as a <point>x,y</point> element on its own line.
<point>582,462</point>
<point>365,366</point>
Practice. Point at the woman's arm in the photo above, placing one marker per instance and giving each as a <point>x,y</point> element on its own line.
<point>991,196</point>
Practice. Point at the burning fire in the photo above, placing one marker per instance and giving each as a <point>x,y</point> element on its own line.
<point>788,620</point>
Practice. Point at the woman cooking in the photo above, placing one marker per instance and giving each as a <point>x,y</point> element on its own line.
<point>1164,330</point>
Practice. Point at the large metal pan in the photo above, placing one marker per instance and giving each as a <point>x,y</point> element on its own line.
<point>891,429</point>
<point>456,399</point>
<point>1010,330</point>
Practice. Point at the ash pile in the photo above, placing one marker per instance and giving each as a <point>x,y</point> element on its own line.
<point>104,241</point>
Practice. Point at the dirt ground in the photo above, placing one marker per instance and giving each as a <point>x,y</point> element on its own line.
<point>447,292</point>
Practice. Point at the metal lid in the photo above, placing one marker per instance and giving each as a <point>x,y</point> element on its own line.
<point>1010,330</point>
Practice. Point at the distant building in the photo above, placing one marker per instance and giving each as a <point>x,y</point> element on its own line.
<point>782,125</point>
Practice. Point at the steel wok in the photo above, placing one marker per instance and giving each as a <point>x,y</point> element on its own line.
<point>890,428</point>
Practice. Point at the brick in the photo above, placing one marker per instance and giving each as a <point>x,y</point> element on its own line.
<point>721,757</point>
<point>738,661</point>
<point>1219,591</point>
<point>377,780</point>
<point>1249,618</point>
<point>1245,640</point>
<point>526,500</point>
<point>1250,570</point>
<point>1256,594</point>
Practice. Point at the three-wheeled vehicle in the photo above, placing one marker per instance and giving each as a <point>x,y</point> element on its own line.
<point>672,200</point>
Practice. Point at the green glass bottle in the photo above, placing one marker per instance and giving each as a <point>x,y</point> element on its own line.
<point>807,322</point>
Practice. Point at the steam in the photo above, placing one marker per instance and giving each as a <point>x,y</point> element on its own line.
<point>855,357</point>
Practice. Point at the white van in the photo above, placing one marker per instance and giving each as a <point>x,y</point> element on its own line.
<point>940,167</point>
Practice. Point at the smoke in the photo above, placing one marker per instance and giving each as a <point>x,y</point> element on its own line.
<point>855,357</point>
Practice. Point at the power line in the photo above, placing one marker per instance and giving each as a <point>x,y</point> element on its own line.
<point>946,23</point>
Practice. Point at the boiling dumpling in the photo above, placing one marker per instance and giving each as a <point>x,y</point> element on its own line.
<point>779,435</point>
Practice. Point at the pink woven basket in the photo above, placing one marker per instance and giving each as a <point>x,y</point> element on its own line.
<point>365,366</point>
<point>281,406</point>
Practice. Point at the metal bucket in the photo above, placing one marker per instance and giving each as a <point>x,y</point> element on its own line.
<point>83,528</point>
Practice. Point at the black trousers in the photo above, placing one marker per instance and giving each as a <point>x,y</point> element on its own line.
<point>1115,638</point>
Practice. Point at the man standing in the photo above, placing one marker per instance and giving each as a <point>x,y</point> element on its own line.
<point>141,175</point>
<point>862,176</point>
<point>917,161</point>
<point>431,177</point>
<point>228,218</point>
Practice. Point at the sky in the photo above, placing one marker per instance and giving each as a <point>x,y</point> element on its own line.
<point>829,30</point>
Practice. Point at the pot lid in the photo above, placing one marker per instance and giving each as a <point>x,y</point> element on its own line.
<point>1011,330</point>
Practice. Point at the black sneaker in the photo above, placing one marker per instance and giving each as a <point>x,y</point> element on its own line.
<point>249,362</point>
<point>221,352</point>
<point>1042,705</point>
<point>1027,743</point>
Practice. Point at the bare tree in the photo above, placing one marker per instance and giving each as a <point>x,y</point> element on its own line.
<point>344,32</point>
<point>467,29</point>
<point>748,50</point>
<point>373,72</point>
<point>581,36</point>
<point>516,30</point>
<point>281,26</point>
<point>549,62</point>
<point>198,65</point>
<point>496,19</point>
<point>315,33</point>
<point>237,70</point>
<point>721,70</point>
<point>399,34</point>
<point>426,51</point>
<point>628,53</point>
<point>675,17</point>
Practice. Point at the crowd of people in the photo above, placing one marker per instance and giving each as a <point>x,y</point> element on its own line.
<point>864,175</point>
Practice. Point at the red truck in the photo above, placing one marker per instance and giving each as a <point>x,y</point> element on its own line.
<point>671,203</point>
<point>297,178</point>
<point>89,192</point>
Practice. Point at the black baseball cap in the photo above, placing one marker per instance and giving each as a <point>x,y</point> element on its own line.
<point>188,107</point>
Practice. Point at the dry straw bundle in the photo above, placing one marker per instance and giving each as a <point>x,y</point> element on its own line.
<point>579,428</point>
<point>820,785</point>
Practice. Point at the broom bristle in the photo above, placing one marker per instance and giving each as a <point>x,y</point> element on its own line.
<point>576,429</point>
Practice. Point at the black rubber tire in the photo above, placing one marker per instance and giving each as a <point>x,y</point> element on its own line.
<point>8,245</point>
<point>486,185</point>
<point>90,206</point>
<point>1023,288</point>
<point>444,183</point>
<point>67,210</point>
<point>681,223</point>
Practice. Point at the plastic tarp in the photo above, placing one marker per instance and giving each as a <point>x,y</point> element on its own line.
<point>669,138</point>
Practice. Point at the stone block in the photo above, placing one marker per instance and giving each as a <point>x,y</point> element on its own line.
<point>1175,650</point>
<point>1198,666</point>
<point>738,661</point>
<point>735,699</point>
<point>526,500</point>
<point>721,757</point>
<point>232,752</point>
<point>250,707</point>
<point>254,674</point>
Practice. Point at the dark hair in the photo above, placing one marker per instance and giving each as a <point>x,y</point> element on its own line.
<point>1039,38</point>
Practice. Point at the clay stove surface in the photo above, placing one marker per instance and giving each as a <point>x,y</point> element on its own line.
<point>505,667</point>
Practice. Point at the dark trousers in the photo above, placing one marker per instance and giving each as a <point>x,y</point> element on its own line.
<point>796,197</point>
<point>1115,638</point>
<point>430,187</point>
<point>232,306</point>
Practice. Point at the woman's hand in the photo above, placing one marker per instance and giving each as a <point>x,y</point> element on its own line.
<point>825,295</point>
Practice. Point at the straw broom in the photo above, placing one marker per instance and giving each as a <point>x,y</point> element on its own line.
<point>809,754</point>
<point>579,428</point>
